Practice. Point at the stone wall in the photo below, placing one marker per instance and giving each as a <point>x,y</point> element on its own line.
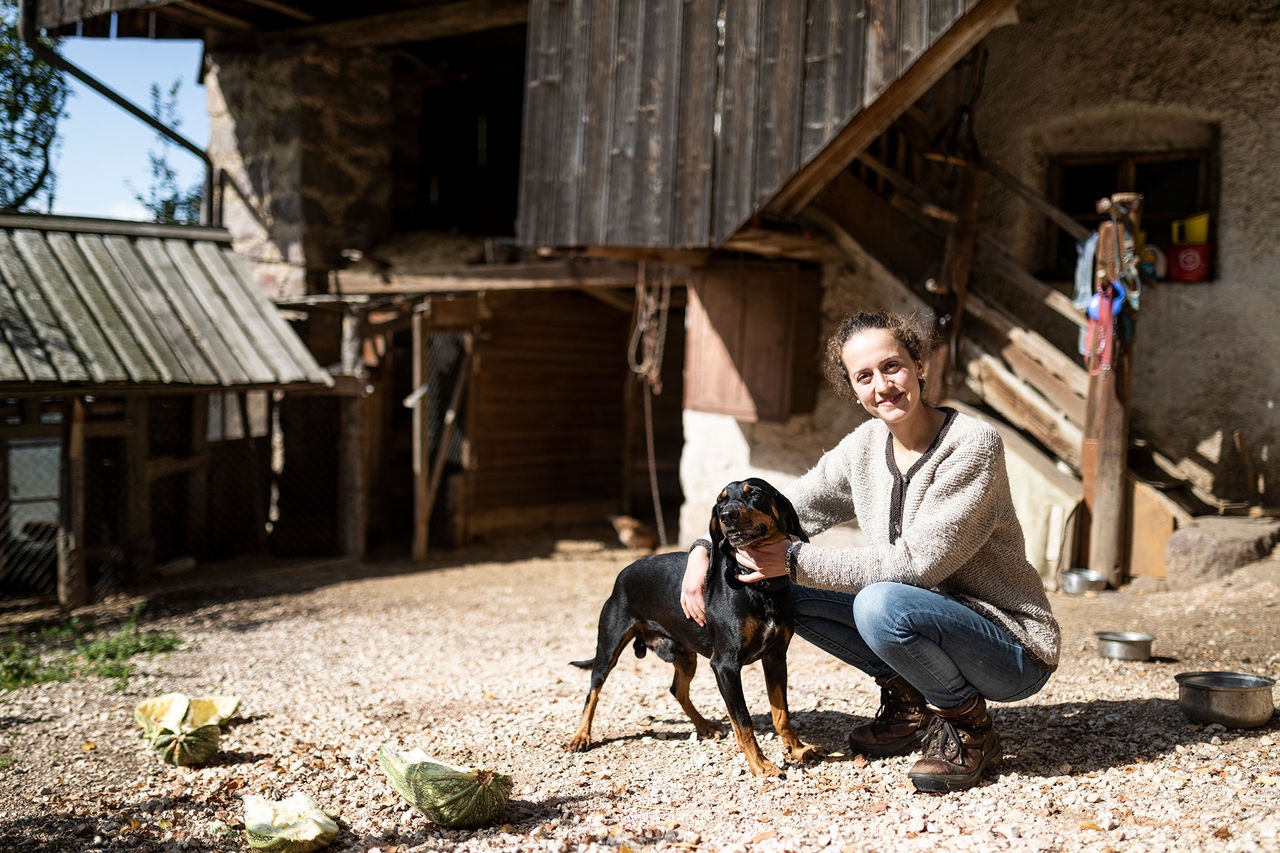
<point>1151,75</point>
<point>304,136</point>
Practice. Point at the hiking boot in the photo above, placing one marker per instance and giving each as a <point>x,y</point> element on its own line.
<point>899,724</point>
<point>959,746</point>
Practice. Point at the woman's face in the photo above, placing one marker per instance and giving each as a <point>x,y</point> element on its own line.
<point>884,377</point>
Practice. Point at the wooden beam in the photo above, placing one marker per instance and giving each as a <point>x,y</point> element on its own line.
<point>692,258</point>
<point>540,275</point>
<point>421,23</point>
<point>876,117</point>
<point>957,255</point>
<point>73,574</point>
<point>1004,392</point>
<point>1067,369</point>
<point>798,246</point>
<point>421,370</point>
<point>850,206</point>
<point>353,478</point>
<point>93,225</point>
<point>1106,431</point>
<point>284,9</point>
<point>198,477</point>
<point>1033,359</point>
<point>207,14</point>
<point>1035,199</point>
<point>141,543</point>
<point>449,427</point>
<point>905,186</point>
<point>996,260</point>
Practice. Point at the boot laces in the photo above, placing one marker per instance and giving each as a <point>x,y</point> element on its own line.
<point>891,706</point>
<point>941,740</point>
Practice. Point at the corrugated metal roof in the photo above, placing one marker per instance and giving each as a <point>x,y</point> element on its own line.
<point>97,302</point>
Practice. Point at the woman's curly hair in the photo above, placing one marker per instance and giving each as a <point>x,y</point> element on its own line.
<point>916,337</point>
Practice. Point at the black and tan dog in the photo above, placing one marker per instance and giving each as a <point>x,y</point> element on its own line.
<point>745,622</point>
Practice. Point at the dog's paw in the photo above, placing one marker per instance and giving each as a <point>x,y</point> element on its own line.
<point>578,743</point>
<point>765,768</point>
<point>710,731</point>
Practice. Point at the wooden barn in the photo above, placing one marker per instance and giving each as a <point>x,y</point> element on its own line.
<point>576,257</point>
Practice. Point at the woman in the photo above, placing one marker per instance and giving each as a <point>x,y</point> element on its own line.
<point>941,606</point>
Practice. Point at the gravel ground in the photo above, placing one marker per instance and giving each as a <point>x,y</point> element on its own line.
<point>469,660</point>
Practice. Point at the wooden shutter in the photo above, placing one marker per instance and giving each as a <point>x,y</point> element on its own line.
<point>752,331</point>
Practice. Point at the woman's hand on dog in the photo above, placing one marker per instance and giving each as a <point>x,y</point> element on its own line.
<point>693,599</point>
<point>763,561</point>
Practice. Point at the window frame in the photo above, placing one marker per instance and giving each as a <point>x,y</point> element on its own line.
<point>1127,164</point>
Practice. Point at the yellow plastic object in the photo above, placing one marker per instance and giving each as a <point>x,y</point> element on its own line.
<point>1193,229</point>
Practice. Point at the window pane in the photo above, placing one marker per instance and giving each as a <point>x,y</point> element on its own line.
<point>1082,184</point>
<point>34,466</point>
<point>1171,187</point>
<point>38,520</point>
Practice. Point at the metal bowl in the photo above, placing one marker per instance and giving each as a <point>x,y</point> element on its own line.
<point>1076,581</point>
<point>1124,645</point>
<point>1234,699</point>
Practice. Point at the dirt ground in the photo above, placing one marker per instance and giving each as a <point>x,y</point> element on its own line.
<point>468,658</point>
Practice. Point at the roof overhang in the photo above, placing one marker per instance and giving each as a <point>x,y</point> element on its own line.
<point>98,305</point>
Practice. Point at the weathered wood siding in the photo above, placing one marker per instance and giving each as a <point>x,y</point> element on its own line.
<point>669,123</point>
<point>546,425</point>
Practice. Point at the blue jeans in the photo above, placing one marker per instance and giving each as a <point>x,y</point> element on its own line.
<point>947,651</point>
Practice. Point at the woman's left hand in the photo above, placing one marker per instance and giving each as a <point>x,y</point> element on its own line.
<point>763,561</point>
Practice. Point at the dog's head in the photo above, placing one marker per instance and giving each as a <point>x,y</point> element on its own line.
<point>752,512</point>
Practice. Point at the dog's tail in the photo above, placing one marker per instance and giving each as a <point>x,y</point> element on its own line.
<point>638,644</point>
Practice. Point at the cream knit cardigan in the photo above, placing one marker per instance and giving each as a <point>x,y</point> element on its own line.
<point>958,533</point>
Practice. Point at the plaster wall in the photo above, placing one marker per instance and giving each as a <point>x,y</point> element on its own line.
<point>303,136</point>
<point>1151,75</point>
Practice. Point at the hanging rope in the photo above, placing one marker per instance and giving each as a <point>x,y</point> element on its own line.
<point>644,355</point>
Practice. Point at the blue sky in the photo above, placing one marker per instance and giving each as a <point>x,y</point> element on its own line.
<point>102,146</point>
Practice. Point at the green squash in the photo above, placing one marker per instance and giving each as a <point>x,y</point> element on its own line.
<point>448,796</point>
<point>184,746</point>
<point>294,825</point>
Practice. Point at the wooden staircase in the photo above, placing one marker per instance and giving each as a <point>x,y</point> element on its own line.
<point>893,204</point>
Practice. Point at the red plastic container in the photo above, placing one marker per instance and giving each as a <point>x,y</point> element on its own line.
<point>1189,262</point>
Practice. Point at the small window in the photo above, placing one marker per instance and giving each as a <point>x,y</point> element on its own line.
<point>1175,186</point>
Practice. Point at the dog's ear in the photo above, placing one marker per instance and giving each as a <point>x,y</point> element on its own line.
<point>790,520</point>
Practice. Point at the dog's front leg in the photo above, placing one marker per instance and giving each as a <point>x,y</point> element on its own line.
<point>729,677</point>
<point>774,665</point>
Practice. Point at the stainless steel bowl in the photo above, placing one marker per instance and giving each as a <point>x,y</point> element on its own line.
<point>1076,581</point>
<point>1125,645</point>
<point>1234,699</point>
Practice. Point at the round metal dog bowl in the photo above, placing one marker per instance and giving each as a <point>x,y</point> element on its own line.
<point>1077,581</point>
<point>1234,699</point>
<point>1125,645</point>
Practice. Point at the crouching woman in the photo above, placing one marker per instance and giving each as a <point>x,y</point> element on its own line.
<point>940,607</point>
